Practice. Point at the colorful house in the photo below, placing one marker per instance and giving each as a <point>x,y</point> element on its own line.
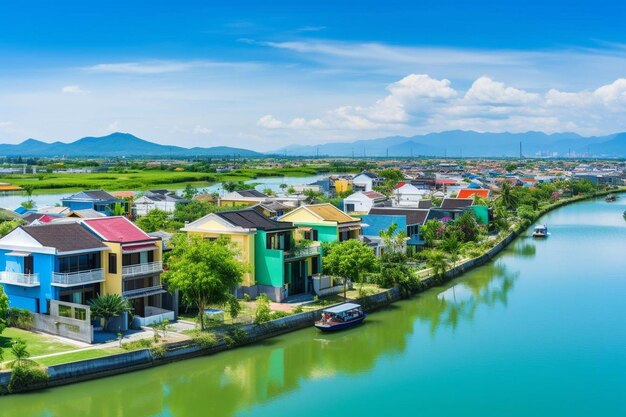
<point>97,200</point>
<point>51,262</point>
<point>323,223</point>
<point>276,265</point>
<point>408,220</point>
<point>242,198</point>
<point>133,267</point>
<point>363,201</point>
<point>471,192</point>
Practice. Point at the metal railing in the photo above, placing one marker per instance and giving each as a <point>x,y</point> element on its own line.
<point>66,279</point>
<point>140,291</point>
<point>140,269</point>
<point>303,252</point>
<point>18,278</point>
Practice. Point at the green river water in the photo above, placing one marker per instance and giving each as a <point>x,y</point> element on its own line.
<point>539,331</point>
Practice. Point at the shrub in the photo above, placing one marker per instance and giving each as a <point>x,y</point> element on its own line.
<point>279,314</point>
<point>263,311</point>
<point>204,340</point>
<point>158,351</point>
<point>25,377</point>
<point>20,318</point>
<point>246,297</point>
<point>235,336</point>
<point>137,344</point>
<point>298,309</point>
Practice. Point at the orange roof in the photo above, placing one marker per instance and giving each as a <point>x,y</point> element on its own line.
<point>469,193</point>
<point>123,194</point>
<point>9,187</point>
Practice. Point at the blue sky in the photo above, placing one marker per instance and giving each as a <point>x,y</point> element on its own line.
<point>266,75</point>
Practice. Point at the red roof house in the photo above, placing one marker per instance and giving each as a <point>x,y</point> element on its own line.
<point>117,229</point>
<point>470,192</point>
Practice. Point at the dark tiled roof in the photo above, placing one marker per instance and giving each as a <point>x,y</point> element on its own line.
<point>95,195</point>
<point>425,204</point>
<point>456,203</point>
<point>368,174</point>
<point>31,217</point>
<point>65,237</point>
<point>252,219</point>
<point>251,193</point>
<point>413,216</point>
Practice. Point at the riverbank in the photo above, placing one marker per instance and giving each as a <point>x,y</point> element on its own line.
<point>248,334</point>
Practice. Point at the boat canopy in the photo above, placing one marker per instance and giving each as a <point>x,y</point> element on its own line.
<point>342,308</point>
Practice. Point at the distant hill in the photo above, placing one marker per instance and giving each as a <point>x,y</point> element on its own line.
<point>113,145</point>
<point>457,143</point>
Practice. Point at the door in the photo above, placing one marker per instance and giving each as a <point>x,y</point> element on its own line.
<point>297,277</point>
<point>28,265</point>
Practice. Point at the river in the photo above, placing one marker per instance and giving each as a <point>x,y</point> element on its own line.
<point>537,332</point>
<point>42,199</point>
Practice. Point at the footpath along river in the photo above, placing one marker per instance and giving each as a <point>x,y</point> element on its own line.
<point>537,332</point>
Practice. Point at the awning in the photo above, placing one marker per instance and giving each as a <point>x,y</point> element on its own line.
<point>349,228</point>
<point>18,253</point>
<point>138,248</point>
<point>147,293</point>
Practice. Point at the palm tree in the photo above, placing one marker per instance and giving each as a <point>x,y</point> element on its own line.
<point>21,354</point>
<point>109,305</point>
<point>508,199</point>
<point>453,246</point>
<point>438,262</point>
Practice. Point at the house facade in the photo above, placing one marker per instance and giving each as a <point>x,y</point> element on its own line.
<point>47,262</point>
<point>132,268</point>
<point>157,199</point>
<point>277,266</point>
<point>363,201</point>
<point>97,200</point>
<point>323,223</point>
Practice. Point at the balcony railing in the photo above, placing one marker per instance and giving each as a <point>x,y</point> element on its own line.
<point>142,292</point>
<point>303,252</point>
<point>141,269</point>
<point>68,279</point>
<point>18,278</point>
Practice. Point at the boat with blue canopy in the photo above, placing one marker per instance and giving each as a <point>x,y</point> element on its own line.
<point>340,317</point>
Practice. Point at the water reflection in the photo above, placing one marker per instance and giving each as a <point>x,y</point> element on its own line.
<point>233,382</point>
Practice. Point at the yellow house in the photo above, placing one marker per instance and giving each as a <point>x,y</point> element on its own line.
<point>242,198</point>
<point>133,267</point>
<point>343,185</point>
<point>324,223</point>
<point>277,266</point>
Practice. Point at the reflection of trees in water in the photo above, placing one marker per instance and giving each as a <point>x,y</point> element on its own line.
<point>524,247</point>
<point>488,285</point>
<point>231,382</point>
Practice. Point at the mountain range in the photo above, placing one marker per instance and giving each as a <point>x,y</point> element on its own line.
<point>455,143</point>
<point>114,145</point>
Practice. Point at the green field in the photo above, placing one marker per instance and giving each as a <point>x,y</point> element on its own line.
<point>146,179</point>
<point>78,355</point>
<point>37,344</point>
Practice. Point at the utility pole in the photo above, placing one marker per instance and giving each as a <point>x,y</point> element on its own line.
<point>520,150</point>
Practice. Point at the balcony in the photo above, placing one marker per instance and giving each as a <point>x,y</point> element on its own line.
<point>142,269</point>
<point>143,292</point>
<point>18,278</point>
<point>303,252</point>
<point>69,279</point>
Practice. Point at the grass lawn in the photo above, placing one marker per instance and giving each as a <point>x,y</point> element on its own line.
<point>78,356</point>
<point>37,344</point>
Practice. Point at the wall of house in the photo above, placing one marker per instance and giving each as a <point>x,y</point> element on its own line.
<point>361,205</point>
<point>269,263</point>
<point>26,297</point>
<point>235,203</point>
<point>380,222</point>
<point>113,282</point>
<point>78,205</point>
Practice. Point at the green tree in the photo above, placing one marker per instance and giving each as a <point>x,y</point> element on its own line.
<point>20,352</point>
<point>118,209</point>
<point>28,204</point>
<point>313,197</point>
<point>4,309</point>
<point>189,192</point>
<point>268,191</point>
<point>263,312</point>
<point>8,225</point>
<point>438,262</point>
<point>394,242</point>
<point>350,260</point>
<point>156,219</point>
<point>206,272</point>
<point>452,246</point>
<point>109,305</point>
<point>28,189</point>
<point>430,231</point>
<point>507,197</point>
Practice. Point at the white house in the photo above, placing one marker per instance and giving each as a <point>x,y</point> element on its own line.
<point>362,201</point>
<point>408,195</point>
<point>365,181</point>
<point>157,199</point>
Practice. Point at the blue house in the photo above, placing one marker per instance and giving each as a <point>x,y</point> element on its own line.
<point>55,261</point>
<point>97,200</point>
<point>408,220</point>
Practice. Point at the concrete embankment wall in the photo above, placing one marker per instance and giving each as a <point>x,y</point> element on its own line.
<point>131,361</point>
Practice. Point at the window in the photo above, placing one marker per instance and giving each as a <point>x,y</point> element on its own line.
<point>112,263</point>
<point>28,265</point>
<point>311,235</point>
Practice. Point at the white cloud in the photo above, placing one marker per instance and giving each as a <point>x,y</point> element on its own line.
<point>485,90</point>
<point>165,67</point>
<point>73,89</point>
<point>418,103</point>
<point>199,130</point>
